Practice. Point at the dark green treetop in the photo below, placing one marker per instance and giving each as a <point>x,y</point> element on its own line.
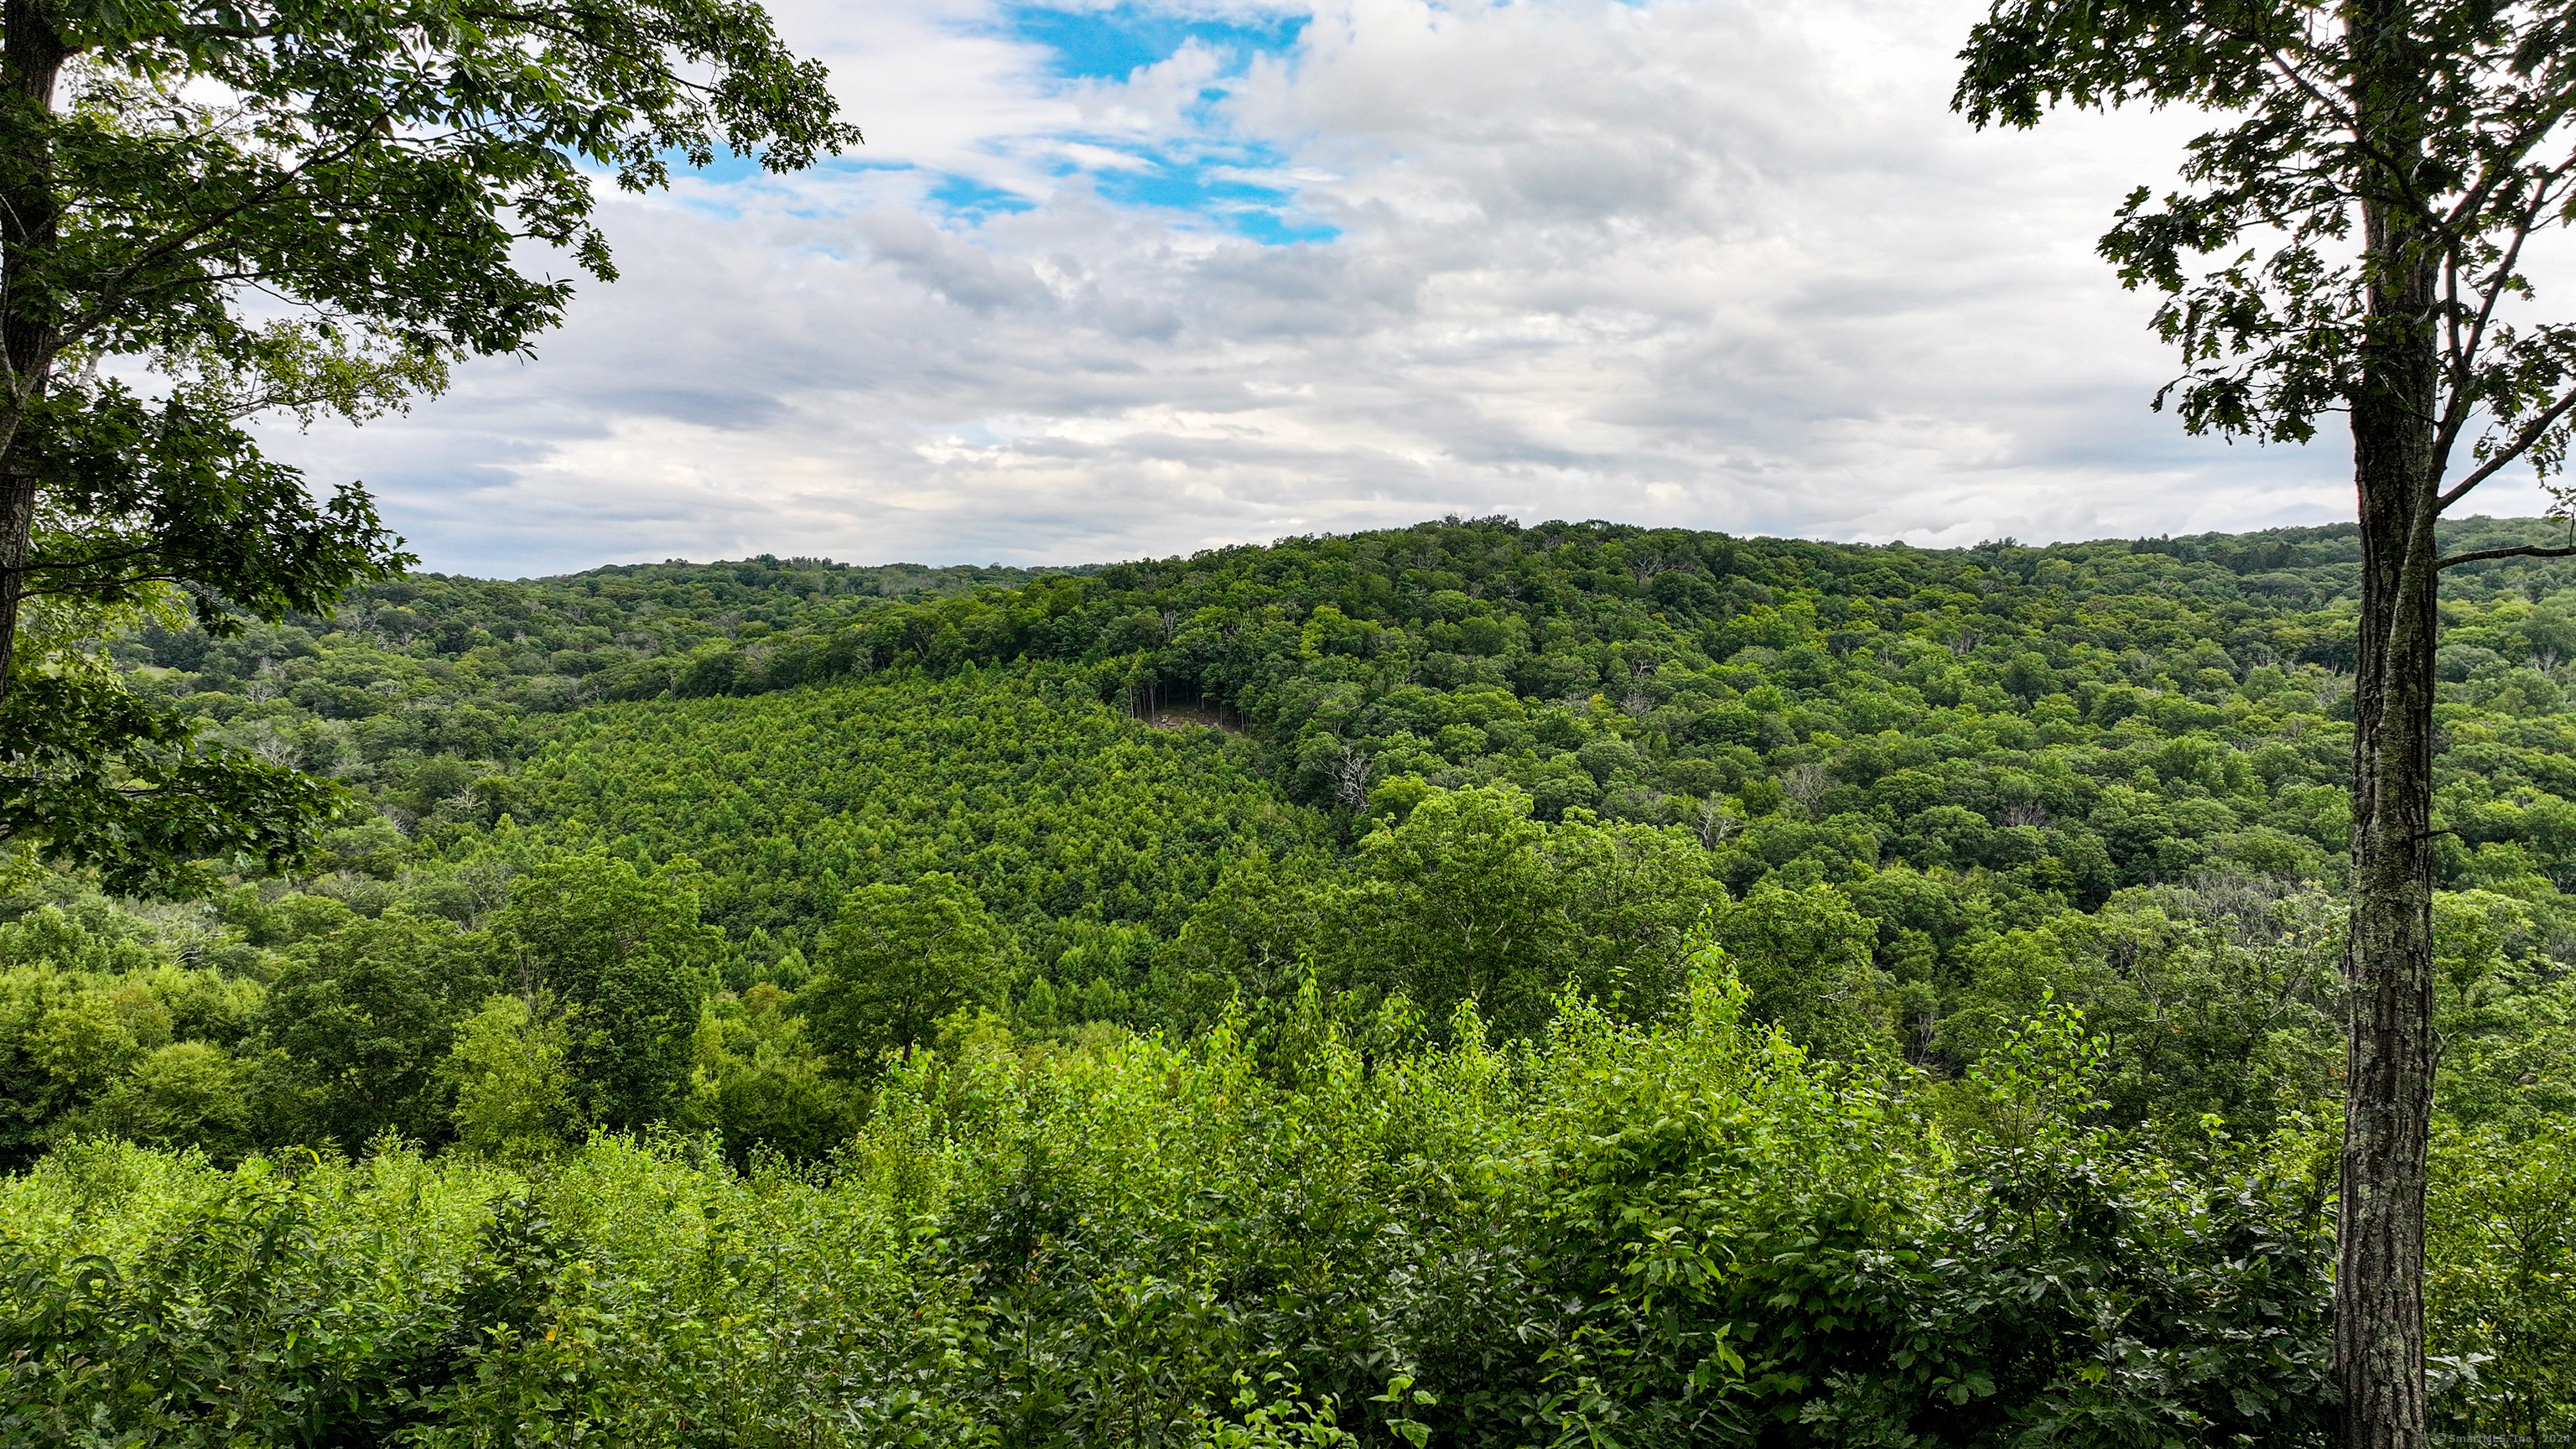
<point>899,958</point>
<point>623,953</point>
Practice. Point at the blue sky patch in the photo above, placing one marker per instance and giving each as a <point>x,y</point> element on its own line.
<point>963,198</point>
<point>1273,229</point>
<point>1208,186</point>
<point>1201,176</point>
<point>1112,44</point>
<point>726,167</point>
<point>1212,177</point>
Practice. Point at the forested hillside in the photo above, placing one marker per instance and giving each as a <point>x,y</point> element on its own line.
<point>1386,878</point>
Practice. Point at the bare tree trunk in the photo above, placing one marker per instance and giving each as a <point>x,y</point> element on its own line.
<point>2379,1298</point>
<point>2379,1279</point>
<point>31,61</point>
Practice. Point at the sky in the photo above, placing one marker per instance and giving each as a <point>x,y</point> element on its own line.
<point>1140,279</point>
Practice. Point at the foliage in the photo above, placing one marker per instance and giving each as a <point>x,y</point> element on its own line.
<point>284,208</point>
<point>2214,1001</point>
<point>2130,797</point>
<point>1818,709</point>
<point>2266,283</point>
<point>92,776</point>
<point>1277,1055</point>
<point>760,1086</point>
<point>361,1020</point>
<point>512,1079</point>
<point>623,954</point>
<point>1466,897</point>
<point>1806,964</point>
<point>1679,1234</point>
<point>2350,236</point>
<point>899,959</point>
<point>1046,803</point>
<point>2501,1280</point>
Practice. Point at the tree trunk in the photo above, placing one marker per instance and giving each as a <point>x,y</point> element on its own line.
<point>2379,1291</point>
<point>31,62</point>
<point>17,524</point>
<point>2379,1278</point>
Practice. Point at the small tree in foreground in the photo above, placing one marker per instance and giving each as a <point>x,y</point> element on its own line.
<point>899,958</point>
<point>510,1072</point>
<point>2351,239</point>
<point>619,960</point>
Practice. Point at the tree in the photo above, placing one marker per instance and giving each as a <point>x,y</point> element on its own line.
<point>1804,958</point>
<point>2503,1251</point>
<point>1469,897</point>
<point>1458,902</point>
<point>758,1082</point>
<point>514,1089</point>
<point>1637,897</point>
<point>624,957</point>
<point>187,1094</point>
<point>362,1020</point>
<point>1253,935</point>
<point>364,176</point>
<point>2351,239</point>
<point>93,775</point>
<point>898,959</point>
<point>2207,1003</point>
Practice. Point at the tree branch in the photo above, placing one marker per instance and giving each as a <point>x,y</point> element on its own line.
<point>282,189</point>
<point>2520,550</point>
<point>2521,444</point>
<point>2499,278</point>
<point>2504,160</point>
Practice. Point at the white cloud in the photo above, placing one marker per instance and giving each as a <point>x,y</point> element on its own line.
<point>1720,264</point>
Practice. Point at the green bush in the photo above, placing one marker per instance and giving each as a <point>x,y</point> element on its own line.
<point>1318,1226</point>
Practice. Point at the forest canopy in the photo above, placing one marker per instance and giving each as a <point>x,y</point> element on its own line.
<point>1035,926</point>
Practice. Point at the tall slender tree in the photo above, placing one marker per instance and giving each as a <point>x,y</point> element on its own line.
<point>2350,237</point>
<point>211,209</point>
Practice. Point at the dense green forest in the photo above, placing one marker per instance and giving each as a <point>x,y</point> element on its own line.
<point>1471,984</point>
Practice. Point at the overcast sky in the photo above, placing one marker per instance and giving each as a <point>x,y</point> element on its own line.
<point>1110,282</point>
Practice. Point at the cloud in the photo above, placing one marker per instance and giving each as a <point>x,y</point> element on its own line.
<point>1111,281</point>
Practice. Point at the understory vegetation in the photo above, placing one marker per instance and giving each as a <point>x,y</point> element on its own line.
<point>1469,984</point>
<point>1323,1232</point>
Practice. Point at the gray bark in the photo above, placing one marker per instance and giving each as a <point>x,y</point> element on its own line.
<point>2379,1280</point>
